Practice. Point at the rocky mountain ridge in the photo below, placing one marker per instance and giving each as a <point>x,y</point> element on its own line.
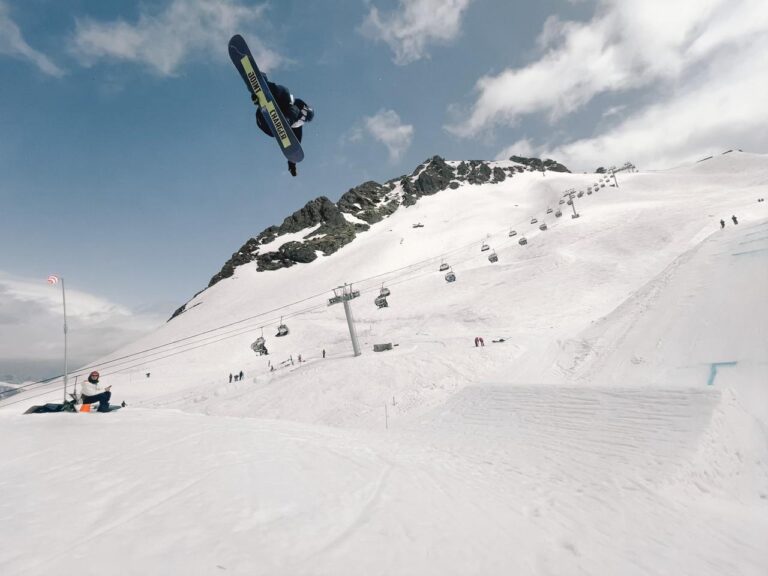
<point>335,225</point>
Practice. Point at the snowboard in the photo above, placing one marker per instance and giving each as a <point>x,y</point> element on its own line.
<point>51,407</point>
<point>243,60</point>
<point>94,408</point>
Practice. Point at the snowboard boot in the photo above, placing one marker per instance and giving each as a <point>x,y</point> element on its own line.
<point>292,168</point>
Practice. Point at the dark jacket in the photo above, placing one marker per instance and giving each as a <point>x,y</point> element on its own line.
<point>292,112</point>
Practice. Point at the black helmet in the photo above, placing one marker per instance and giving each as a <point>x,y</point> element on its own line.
<point>307,114</point>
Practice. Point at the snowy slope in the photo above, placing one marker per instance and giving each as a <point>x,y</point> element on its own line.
<point>7,389</point>
<point>619,428</point>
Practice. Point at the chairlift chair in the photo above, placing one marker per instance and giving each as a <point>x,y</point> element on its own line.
<point>543,226</point>
<point>282,330</point>
<point>450,277</point>
<point>522,241</point>
<point>512,233</point>
<point>558,214</point>
<point>384,291</point>
<point>549,210</point>
<point>602,185</point>
<point>258,345</point>
<point>484,248</point>
<point>444,267</point>
<point>562,201</point>
<point>580,194</point>
<point>533,220</point>
<point>493,257</point>
<point>381,302</point>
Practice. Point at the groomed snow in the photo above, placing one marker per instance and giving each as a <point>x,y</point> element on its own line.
<point>619,428</point>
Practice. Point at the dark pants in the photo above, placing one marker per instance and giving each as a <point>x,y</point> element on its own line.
<point>102,399</point>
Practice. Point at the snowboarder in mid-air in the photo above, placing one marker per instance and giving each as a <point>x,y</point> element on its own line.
<point>296,112</point>
<point>279,114</point>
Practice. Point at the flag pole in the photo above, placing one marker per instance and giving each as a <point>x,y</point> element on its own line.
<point>66,366</point>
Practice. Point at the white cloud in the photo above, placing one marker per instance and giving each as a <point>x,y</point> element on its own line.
<point>415,25</point>
<point>700,63</point>
<point>31,322</point>
<point>12,43</point>
<point>386,127</point>
<point>164,41</point>
<point>703,118</point>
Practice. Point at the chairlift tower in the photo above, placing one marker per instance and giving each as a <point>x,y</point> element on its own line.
<point>345,294</point>
<point>570,192</point>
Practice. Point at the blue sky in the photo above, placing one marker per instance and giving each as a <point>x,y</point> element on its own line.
<point>131,165</point>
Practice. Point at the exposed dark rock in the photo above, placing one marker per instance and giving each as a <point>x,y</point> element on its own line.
<point>179,310</point>
<point>274,261</point>
<point>243,256</point>
<point>435,177</point>
<point>537,164</point>
<point>362,197</point>
<point>319,210</point>
<point>298,252</point>
<point>365,201</point>
<point>370,202</point>
<point>479,172</point>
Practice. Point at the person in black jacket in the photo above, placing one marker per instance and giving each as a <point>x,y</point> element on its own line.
<point>296,112</point>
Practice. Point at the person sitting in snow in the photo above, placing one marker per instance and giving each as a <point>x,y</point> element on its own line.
<point>93,393</point>
<point>296,112</point>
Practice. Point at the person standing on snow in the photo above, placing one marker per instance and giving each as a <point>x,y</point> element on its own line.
<point>93,393</point>
<point>722,224</point>
<point>735,221</point>
<point>296,112</point>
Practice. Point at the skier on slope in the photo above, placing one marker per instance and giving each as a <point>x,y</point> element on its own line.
<point>295,110</point>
